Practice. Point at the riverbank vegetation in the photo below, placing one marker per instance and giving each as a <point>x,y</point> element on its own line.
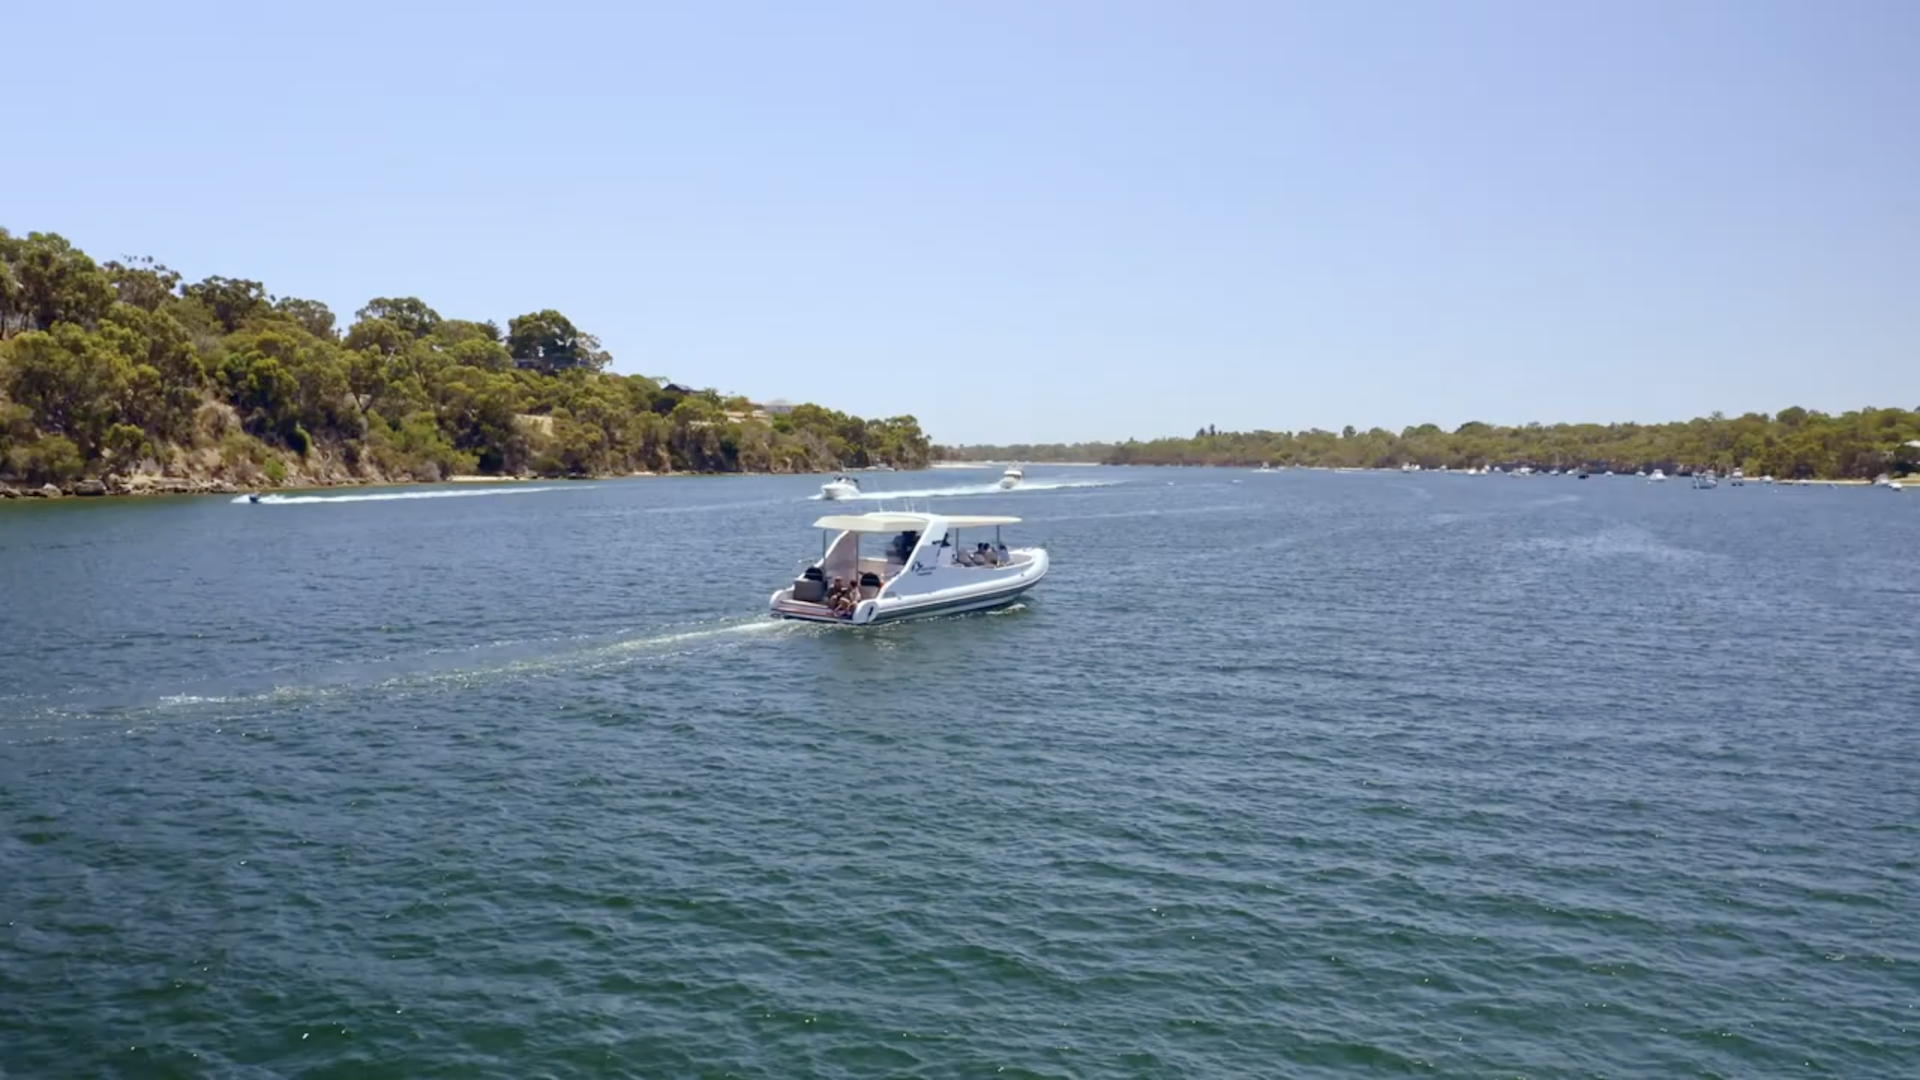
<point>123,369</point>
<point>1793,443</point>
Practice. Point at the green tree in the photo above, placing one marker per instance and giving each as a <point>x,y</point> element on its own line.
<point>547,341</point>
<point>142,282</point>
<point>49,281</point>
<point>311,315</point>
<point>72,381</point>
<point>233,301</point>
<point>51,459</point>
<point>407,314</point>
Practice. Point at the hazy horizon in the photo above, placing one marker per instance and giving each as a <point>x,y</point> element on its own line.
<point>1061,223</point>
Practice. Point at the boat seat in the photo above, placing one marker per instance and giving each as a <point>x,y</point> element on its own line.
<point>869,584</point>
<point>810,590</point>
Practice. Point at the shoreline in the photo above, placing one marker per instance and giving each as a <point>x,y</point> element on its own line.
<point>149,486</point>
<point>145,486</point>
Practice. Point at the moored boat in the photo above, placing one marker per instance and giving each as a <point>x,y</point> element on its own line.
<point>926,569</point>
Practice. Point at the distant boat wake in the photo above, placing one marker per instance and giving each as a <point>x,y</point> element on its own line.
<point>974,489</point>
<point>387,496</point>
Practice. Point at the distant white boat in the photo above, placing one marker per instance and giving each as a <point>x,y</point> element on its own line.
<point>926,570</point>
<point>1656,477</point>
<point>1736,478</point>
<point>1706,479</point>
<point>1012,477</point>
<point>840,487</point>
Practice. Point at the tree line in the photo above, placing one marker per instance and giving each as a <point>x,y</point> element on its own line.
<point>122,367</point>
<point>1793,443</point>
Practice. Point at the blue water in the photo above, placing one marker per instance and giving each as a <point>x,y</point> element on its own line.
<point>1304,774</point>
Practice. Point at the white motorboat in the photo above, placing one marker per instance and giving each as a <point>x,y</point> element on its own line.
<point>1656,477</point>
<point>928,568</point>
<point>1737,478</point>
<point>1706,479</point>
<point>840,487</point>
<point>1012,476</point>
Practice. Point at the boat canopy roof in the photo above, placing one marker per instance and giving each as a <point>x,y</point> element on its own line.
<point>884,522</point>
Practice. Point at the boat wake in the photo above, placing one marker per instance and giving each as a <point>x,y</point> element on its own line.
<point>429,673</point>
<point>963,490</point>
<point>387,496</point>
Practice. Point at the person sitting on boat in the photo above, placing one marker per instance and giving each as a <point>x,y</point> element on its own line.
<point>840,596</point>
<point>1001,551</point>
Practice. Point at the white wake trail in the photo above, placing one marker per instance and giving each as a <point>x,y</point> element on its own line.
<point>388,496</point>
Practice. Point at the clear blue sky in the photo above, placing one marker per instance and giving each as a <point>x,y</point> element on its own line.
<point>1043,221</point>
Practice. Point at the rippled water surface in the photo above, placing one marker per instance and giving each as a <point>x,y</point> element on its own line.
<point>1276,775</point>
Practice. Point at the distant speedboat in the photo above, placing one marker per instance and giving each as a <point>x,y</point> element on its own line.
<point>1706,480</point>
<point>926,570</point>
<point>840,487</point>
<point>1656,477</point>
<point>253,496</point>
<point>1012,477</point>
